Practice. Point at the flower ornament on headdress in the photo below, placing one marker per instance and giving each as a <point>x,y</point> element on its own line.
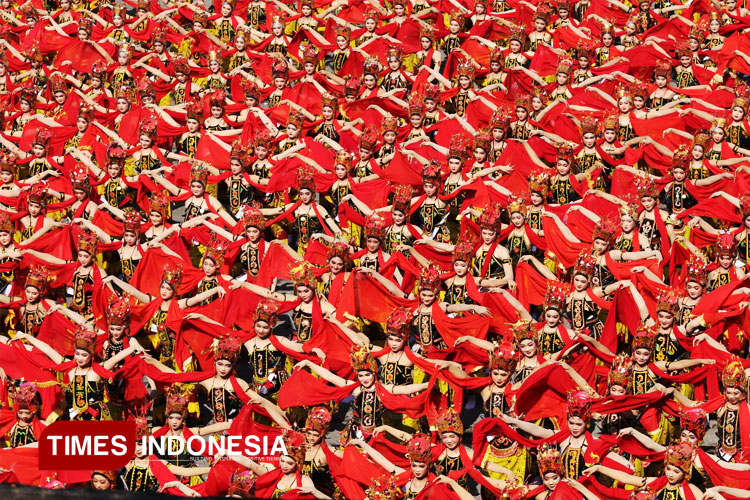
<point>516,204</point>
<point>523,329</point>
<point>344,158</point>
<point>605,230</point>
<point>539,183</point>
<point>339,249</point>
<point>464,250</point>
<point>176,403</point>
<point>85,339</point>
<point>43,137</point>
<point>419,448</point>
<point>79,178</point>
<point>371,67</point>
<point>702,138</point>
<point>586,263</point>
<point>517,33</point>
<point>131,221</point>
<point>38,194</point>
<point>490,219</point>
<point>57,83</point>
<point>663,68</point>
<point>696,271</point>
<point>483,140</point>
<point>448,420</point>
<point>228,347</point>
<point>242,484</point>
<point>148,127</point>
<point>620,372</point>
<point>742,97</point>
<point>416,105</point>
<point>694,420</point>
<point>362,359</point>
<point>549,460</point>
<point>25,398</point>
<point>199,173</point>
<point>253,217</point>
<point>726,245</point>
<point>351,86</point>
<point>306,178</point>
<point>399,322</point>
<point>118,311</point>
<point>159,202</point>
<point>733,376</point>
<point>431,174</point>
<point>318,419</point>
<point>239,153</point>
<point>458,147</point>
<point>466,68</point>
<point>556,296</point>
<point>172,276</point>
<point>38,277</point>
<point>504,358</point>
<point>564,65</point>
<point>375,226</point>
<point>402,198</point>
<point>644,337</point>
<point>302,274</point>
<point>215,250</point>
<point>88,242</point>
<point>500,118</point>
<point>267,311</point>
<point>194,111</point>
<point>429,279</point>
<point>6,224</point>
<point>680,455</point>
<point>523,101</point>
<point>367,140</point>
<point>579,404</point>
<point>383,488</point>
<point>145,87</point>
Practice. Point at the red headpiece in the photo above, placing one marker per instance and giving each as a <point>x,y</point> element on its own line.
<point>556,296</point>
<point>694,420</point>
<point>503,358</point>
<point>268,311</point>
<point>697,271</point>
<point>402,198</point>
<point>619,374</point>
<point>85,339</point>
<point>318,419</point>
<point>579,404</point>
<point>172,277</point>
<point>118,311</point>
<point>253,217</point>
<point>88,242</point>
<point>399,322</point>
<point>383,488</point>
<point>733,375</point>
<point>726,245</point>
<point>429,279</point>
<point>25,398</point>
<point>375,226</point>
<point>606,230</point>
<point>586,263</point>
<point>302,274</point>
<point>419,448</point>
<point>448,420</point>
<point>362,359</point>
<point>176,403</point>
<point>227,348</point>
<point>242,484</point>
<point>38,277</point>
<point>549,460</point>
<point>644,337</point>
<point>680,455</point>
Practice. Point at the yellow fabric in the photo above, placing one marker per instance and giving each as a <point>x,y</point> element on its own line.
<point>518,462</point>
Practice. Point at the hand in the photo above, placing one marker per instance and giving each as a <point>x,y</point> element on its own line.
<point>320,354</point>
<point>365,270</point>
<point>700,338</point>
<point>460,340</point>
<point>235,285</point>
<point>481,310</point>
<point>591,470</point>
<point>628,431</point>
<point>192,316</point>
<point>221,293</point>
<point>512,285</point>
<point>302,364</point>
